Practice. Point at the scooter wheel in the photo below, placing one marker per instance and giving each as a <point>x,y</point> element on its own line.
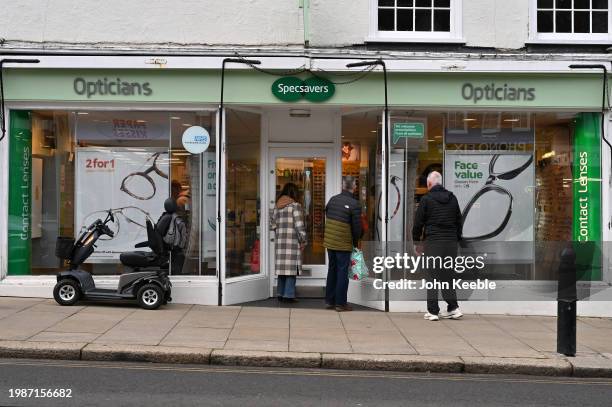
<point>67,292</point>
<point>150,296</point>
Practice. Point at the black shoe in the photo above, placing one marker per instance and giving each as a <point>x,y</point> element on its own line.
<point>290,300</point>
<point>330,306</point>
<point>279,298</point>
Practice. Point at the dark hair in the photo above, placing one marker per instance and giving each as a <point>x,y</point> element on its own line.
<point>291,190</point>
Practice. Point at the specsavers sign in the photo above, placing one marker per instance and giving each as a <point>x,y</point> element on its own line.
<point>292,89</point>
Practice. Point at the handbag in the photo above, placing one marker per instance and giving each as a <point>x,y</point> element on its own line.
<point>358,269</point>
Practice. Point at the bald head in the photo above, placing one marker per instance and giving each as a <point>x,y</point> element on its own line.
<point>434,178</point>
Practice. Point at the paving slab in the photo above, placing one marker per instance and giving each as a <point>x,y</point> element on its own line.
<point>374,342</point>
<point>407,363</point>
<point>432,338</point>
<point>41,350</point>
<point>26,323</point>
<point>88,322</point>
<point>209,318</point>
<point>141,353</point>
<point>526,366</point>
<point>195,336</point>
<point>265,359</point>
<point>50,336</point>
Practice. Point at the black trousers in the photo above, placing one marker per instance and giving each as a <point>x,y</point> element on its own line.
<point>441,275</point>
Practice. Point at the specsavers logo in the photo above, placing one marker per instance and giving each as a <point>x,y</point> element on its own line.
<point>292,89</point>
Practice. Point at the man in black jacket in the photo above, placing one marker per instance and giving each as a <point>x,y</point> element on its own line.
<point>438,224</point>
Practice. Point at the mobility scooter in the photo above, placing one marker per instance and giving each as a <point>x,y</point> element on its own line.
<point>146,282</point>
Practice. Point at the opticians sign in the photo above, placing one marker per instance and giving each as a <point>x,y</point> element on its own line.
<point>293,89</point>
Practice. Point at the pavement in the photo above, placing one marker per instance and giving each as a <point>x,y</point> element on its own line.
<point>300,338</point>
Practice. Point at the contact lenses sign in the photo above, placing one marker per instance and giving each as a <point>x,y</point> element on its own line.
<point>587,196</point>
<point>293,89</point>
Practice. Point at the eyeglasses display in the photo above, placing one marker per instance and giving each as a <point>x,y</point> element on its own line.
<point>493,198</point>
<point>123,216</point>
<point>309,176</point>
<point>139,184</point>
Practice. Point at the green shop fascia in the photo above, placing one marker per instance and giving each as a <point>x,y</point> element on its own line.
<point>419,91</point>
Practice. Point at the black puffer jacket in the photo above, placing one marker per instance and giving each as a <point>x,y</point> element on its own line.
<point>342,222</point>
<point>438,217</point>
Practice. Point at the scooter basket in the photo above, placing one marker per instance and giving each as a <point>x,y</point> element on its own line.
<point>63,247</point>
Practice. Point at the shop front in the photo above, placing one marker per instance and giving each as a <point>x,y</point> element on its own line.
<point>521,151</point>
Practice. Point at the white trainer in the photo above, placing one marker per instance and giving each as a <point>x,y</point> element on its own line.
<point>431,317</point>
<point>454,314</point>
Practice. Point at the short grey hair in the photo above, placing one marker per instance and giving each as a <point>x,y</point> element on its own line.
<point>348,183</point>
<point>434,178</point>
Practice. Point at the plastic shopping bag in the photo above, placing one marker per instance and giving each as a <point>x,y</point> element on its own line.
<point>358,269</point>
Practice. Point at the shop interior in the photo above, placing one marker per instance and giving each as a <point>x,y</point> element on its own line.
<point>59,137</point>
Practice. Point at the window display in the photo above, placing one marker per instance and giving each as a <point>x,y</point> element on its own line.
<point>89,162</point>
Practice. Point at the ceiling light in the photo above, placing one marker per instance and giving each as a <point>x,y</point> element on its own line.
<point>512,120</point>
<point>469,120</point>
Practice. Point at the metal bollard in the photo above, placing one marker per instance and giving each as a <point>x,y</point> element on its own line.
<point>566,303</point>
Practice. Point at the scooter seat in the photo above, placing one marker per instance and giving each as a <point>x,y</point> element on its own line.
<point>140,259</point>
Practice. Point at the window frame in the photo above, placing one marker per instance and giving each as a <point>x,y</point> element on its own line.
<point>566,38</point>
<point>455,35</point>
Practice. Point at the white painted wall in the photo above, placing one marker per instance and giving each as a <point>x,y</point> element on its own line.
<point>193,23</point>
<point>185,22</point>
<point>496,23</point>
<point>339,22</point>
<point>486,23</point>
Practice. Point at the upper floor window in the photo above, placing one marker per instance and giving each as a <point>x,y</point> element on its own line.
<point>415,20</point>
<point>570,21</point>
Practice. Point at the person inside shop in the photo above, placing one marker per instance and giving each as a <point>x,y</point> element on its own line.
<point>181,196</point>
<point>342,233</point>
<point>174,234</point>
<point>438,224</point>
<point>287,222</point>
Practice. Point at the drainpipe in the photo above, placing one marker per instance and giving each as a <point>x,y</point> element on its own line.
<point>305,6</point>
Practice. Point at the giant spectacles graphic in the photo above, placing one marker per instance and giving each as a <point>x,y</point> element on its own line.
<point>139,184</point>
<point>494,197</point>
<point>124,217</point>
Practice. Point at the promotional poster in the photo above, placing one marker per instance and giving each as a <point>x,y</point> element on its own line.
<point>132,182</point>
<point>495,191</point>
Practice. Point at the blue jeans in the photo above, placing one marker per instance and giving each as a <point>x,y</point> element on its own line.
<point>286,287</point>
<point>337,277</point>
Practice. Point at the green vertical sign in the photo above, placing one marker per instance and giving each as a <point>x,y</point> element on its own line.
<point>586,228</point>
<point>20,194</point>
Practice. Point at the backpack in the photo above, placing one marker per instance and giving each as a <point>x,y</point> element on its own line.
<point>176,236</point>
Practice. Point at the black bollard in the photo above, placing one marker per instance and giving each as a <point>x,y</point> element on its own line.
<point>566,303</point>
